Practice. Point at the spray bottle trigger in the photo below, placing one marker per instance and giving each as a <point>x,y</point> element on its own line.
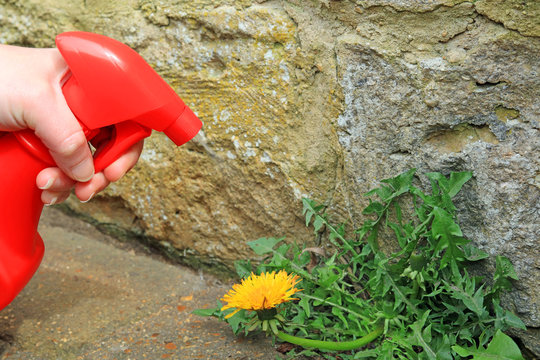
<point>121,137</point>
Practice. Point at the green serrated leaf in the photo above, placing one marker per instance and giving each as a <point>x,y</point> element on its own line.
<point>420,338</point>
<point>471,297</point>
<point>337,312</point>
<point>513,320</point>
<point>449,236</point>
<point>304,304</point>
<point>401,183</point>
<point>504,272</point>
<point>472,253</point>
<point>318,223</point>
<point>328,275</point>
<point>505,318</point>
<point>438,182</point>
<point>237,320</point>
<point>504,268</point>
<point>398,231</point>
<point>457,179</point>
<point>444,225</point>
<point>443,348</point>
<point>384,192</point>
<point>374,207</point>
<point>243,268</point>
<point>264,245</point>
<point>367,354</point>
<point>310,208</point>
<point>501,347</point>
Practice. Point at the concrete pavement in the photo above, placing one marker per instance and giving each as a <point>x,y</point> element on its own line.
<point>96,298</point>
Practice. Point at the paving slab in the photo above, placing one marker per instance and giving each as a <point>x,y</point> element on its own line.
<point>96,298</point>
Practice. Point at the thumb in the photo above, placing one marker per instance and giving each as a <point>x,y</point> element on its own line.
<point>69,149</point>
<point>62,134</point>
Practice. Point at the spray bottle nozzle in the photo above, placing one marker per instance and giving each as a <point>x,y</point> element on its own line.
<point>184,128</point>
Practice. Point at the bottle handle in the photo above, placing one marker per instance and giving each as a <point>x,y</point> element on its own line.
<point>113,141</point>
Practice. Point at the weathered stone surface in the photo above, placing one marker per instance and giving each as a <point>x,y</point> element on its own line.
<point>523,16</point>
<point>324,98</point>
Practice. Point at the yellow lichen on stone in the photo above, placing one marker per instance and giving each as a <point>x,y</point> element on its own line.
<point>258,22</point>
<point>455,140</point>
<point>504,114</point>
<point>523,16</point>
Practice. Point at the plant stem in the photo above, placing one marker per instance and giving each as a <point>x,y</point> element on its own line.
<point>333,304</point>
<point>332,345</point>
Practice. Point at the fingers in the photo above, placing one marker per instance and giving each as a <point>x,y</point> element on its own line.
<point>124,163</point>
<point>57,186</point>
<point>54,179</point>
<point>50,197</point>
<point>86,191</point>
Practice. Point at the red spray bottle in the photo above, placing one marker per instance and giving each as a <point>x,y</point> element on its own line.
<point>118,99</point>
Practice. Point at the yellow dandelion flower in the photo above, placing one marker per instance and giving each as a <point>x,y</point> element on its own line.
<point>261,292</point>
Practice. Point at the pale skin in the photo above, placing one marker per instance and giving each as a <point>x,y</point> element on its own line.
<point>31,97</point>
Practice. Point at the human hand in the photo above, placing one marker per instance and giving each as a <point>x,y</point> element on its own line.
<point>31,97</point>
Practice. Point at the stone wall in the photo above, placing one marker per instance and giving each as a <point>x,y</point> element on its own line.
<point>323,98</point>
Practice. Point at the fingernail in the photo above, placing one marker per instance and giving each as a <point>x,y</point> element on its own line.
<point>84,171</point>
<point>53,201</point>
<point>47,185</point>
<point>90,198</point>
